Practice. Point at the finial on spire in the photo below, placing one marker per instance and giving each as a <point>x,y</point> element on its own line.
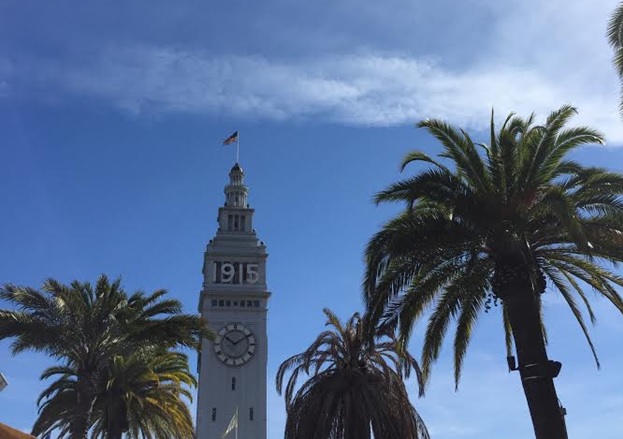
<point>237,168</point>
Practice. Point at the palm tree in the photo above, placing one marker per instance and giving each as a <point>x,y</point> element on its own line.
<point>502,223</point>
<point>85,326</point>
<point>615,38</point>
<point>141,395</point>
<point>144,397</point>
<point>356,387</point>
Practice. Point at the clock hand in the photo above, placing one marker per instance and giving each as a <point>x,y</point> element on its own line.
<point>230,340</point>
<point>243,338</point>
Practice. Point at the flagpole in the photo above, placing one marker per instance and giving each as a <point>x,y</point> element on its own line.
<point>238,148</point>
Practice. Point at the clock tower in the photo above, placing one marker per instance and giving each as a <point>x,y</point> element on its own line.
<point>234,298</point>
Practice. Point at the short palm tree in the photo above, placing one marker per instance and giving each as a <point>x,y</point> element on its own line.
<point>355,387</point>
<point>85,326</point>
<point>142,395</point>
<point>502,223</point>
<point>145,396</point>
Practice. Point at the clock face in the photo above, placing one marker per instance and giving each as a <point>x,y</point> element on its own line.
<point>234,344</point>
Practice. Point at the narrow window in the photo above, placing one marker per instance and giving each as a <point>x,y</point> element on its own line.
<point>230,221</point>
<point>221,303</point>
<point>243,222</point>
<point>250,413</point>
<point>256,303</point>
<point>233,383</point>
<point>242,303</point>
<point>249,303</point>
<point>235,303</point>
<point>236,220</point>
<point>213,414</point>
<point>214,302</point>
<point>228,303</point>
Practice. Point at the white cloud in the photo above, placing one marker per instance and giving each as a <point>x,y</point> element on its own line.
<point>355,89</point>
<point>539,55</point>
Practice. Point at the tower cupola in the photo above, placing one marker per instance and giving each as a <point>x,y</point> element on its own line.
<point>236,192</point>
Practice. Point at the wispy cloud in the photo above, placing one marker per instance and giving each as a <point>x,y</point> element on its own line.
<point>366,89</point>
<point>537,57</point>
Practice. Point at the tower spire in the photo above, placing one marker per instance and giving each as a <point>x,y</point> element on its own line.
<point>236,193</point>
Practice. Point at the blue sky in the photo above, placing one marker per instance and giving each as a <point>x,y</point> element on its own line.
<point>112,114</point>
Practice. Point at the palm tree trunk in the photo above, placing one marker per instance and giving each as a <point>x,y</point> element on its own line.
<point>117,421</point>
<point>82,417</point>
<point>538,384</point>
<point>115,433</point>
<point>86,394</point>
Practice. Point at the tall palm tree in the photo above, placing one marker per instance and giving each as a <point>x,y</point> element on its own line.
<point>85,326</point>
<point>355,387</point>
<point>142,395</point>
<point>503,222</point>
<point>615,38</point>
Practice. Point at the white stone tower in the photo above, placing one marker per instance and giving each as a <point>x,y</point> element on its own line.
<point>234,298</point>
